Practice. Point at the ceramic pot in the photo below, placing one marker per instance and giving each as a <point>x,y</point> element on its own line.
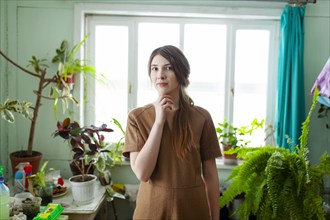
<point>83,190</point>
<point>21,156</point>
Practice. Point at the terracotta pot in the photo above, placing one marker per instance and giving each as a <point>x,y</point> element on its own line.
<point>229,159</point>
<point>21,156</point>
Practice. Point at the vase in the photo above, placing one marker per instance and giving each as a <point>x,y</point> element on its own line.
<point>83,190</point>
<point>46,194</point>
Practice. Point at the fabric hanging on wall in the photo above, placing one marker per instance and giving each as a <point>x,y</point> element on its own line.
<point>291,93</point>
<point>323,83</point>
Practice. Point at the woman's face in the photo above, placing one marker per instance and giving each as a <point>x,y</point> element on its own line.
<point>163,77</point>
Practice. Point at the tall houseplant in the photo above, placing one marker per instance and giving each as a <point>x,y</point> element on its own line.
<point>277,183</point>
<point>9,107</point>
<point>59,91</point>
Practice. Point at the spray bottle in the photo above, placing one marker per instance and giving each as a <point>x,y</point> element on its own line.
<point>19,181</point>
<point>4,196</point>
<point>28,172</point>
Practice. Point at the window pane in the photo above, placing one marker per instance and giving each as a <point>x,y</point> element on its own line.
<point>151,36</point>
<point>218,53</point>
<point>251,70</point>
<point>207,57</point>
<point>111,59</point>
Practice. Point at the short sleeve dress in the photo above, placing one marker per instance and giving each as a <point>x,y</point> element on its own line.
<point>176,189</point>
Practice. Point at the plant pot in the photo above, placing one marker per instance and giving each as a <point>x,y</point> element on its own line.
<point>21,156</point>
<point>69,81</point>
<point>46,194</point>
<point>229,159</point>
<point>83,191</point>
<point>31,207</point>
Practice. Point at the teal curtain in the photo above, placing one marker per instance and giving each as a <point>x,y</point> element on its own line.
<point>291,93</point>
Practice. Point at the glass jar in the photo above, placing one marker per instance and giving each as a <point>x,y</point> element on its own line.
<point>46,194</point>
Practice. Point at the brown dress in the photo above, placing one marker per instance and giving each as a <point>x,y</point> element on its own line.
<point>176,189</point>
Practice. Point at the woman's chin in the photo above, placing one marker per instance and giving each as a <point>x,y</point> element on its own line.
<point>162,92</point>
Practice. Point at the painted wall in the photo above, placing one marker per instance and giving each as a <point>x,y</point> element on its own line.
<point>37,27</point>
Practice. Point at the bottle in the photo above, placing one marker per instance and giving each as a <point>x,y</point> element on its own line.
<point>19,178</point>
<point>4,196</point>
<point>28,172</point>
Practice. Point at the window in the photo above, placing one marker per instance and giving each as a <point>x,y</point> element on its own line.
<point>232,63</point>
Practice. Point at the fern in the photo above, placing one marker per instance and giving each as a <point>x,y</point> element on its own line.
<point>277,183</point>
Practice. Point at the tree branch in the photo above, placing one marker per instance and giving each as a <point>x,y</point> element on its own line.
<point>18,66</point>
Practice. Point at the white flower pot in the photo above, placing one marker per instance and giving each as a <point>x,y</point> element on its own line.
<point>83,192</point>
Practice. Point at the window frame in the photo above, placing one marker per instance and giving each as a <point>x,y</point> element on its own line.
<point>83,10</point>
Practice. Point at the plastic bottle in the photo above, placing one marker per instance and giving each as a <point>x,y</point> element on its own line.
<point>19,181</point>
<point>4,196</point>
<point>28,172</point>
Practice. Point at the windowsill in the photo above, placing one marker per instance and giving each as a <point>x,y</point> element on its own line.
<point>220,162</point>
<point>230,164</point>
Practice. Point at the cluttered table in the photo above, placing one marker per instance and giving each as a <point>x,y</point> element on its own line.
<point>83,211</point>
<point>97,209</point>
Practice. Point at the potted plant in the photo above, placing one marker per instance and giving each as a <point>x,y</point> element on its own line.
<point>89,150</point>
<point>116,148</point>
<point>234,137</point>
<point>68,64</point>
<point>59,91</point>
<point>278,184</point>
<point>113,190</point>
<point>44,188</point>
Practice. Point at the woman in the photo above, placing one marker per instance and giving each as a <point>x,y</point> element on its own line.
<point>172,146</point>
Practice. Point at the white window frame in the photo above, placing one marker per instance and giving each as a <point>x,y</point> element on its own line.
<point>81,10</point>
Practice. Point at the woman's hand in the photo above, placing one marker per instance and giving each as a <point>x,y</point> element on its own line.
<point>163,105</point>
<point>144,162</point>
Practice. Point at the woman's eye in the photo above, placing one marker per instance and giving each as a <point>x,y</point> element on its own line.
<point>168,68</point>
<point>154,68</point>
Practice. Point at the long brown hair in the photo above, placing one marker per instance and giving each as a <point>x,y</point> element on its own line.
<point>182,131</point>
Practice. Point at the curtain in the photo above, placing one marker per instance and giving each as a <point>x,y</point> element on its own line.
<point>290,96</point>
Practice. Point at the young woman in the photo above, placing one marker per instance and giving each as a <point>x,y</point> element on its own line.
<point>172,146</point>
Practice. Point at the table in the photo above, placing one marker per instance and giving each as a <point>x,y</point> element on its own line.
<point>98,207</point>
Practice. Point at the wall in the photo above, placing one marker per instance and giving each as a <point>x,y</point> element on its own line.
<point>317,51</point>
<point>38,27</point>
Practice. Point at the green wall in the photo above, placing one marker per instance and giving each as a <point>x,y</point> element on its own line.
<point>38,27</point>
